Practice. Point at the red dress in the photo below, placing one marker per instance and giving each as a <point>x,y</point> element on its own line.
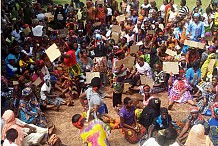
<point>101,14</point>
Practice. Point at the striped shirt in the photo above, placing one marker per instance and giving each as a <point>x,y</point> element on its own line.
<point>183,11</point>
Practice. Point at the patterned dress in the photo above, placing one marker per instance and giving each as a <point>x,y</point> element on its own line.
<point>178,86</point>
<point>96,133</point>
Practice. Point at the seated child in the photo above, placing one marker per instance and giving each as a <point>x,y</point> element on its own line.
<point>11,135</point>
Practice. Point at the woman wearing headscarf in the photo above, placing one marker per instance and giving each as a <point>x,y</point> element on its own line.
<point>196,136</point>
<point>195,30</point>
<point>150,112</point>
<point>9,122</point>
<point>194,118</point>
<point>119,73</point>
<point>93,133</point>
<point>180,91</point>
<point>206,71</point>
<point>27,133</point>
<point>48,99</point>
<point>29,111</point>
<point>208,90</point>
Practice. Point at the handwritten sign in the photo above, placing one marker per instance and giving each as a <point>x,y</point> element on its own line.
<point>91,75</point>
<point>128,62</point>
<point>53,52</point>
<point>15,83</point>
<point>116,28</point>
<point>134,49</point>
<point>49,16</point>
<point>151,32</point>
<point>194,44</point>
<point>211,64</point>
<point>37,82</point>
<point>171,67</point>
<point>26,31</point>
<point>115,36</point>
<point>139,43</point>
<point>170,52</point>
<point>146,80</point>
<point>120,18</point>
<point>63,32</point>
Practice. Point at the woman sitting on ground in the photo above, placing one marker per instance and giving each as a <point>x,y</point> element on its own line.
<point>180,91</point>
<point>208,90</point>
<point>29,110</point>
<point>132,130</point>
<point>27,133</point>
<point>193,119</point>
<point>88,130</point>
<point>49,100</point>
<point>150,112</point>
<point>163,121</point>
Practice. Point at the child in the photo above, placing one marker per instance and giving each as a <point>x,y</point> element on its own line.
<point>11,135</point>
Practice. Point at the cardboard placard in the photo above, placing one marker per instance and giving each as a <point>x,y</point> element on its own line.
<point>211,64</point>
<point>100,2</point>
<point>116,28</point>
<point>91,75</point>
<point>170,52</point>
<point>49,16</point>
<point>97,24</point>
<point>126,87</point>
<point>63,32</point>
<point>209,38</point>
<point>151,32</point>
<point>194,44</point>
<point>139,43</point>
<point>15,83</point>
<point>128,62</point>
<point>120,18</point>
<point>26,31</point>
<point>115,36</point>
<point>100,64</point>
<point>53,52</point>
<point>171,67</point>
<point>37,82</point>
<point>134,49</point>
<point>146,80</point>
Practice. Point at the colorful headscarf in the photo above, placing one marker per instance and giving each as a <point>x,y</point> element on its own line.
<point>26,91</point>
<point>214,108</point>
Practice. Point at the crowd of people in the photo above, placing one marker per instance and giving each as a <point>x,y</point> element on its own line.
<point>123,46</point>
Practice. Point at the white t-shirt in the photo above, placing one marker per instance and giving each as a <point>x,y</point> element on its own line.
<point>142,69</point>
<point>7,143</point>
<point>109,12</point>
<point>143,6</point>
<point>206,18</point>
<point>45,88</point>
<point>30,53</point>
<point>130,38</point>
<point>162,9</point>
<point>152,142</point>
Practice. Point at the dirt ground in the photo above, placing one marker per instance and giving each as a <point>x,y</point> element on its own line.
<point>69,134</point>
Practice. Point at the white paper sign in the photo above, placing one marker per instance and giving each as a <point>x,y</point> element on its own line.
<point>171,67</point>
<point>37,31</point>
<point>170,52</point>
<point>53,52</point>
<point>91,75</point>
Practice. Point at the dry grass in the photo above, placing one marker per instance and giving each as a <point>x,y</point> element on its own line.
<point>69,134</point>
